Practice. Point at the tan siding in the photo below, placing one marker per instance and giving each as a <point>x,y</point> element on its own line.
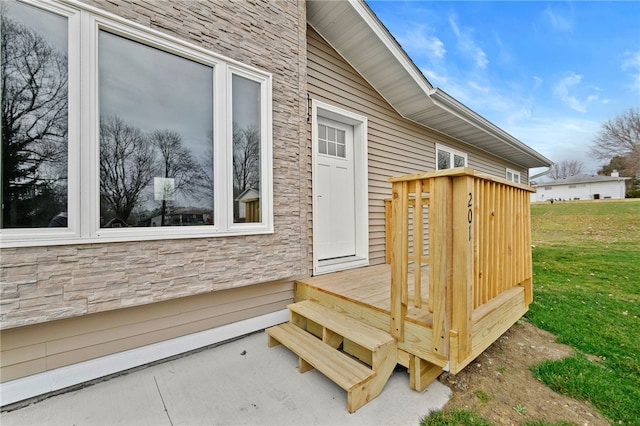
<point>38,348</point>
<point>396,146</point>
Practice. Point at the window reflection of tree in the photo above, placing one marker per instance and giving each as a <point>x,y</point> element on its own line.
<point>126,168</point>
<point>176,162</point>
<point>130,159</point>
<point>34,126</point>
<point>246,161</point>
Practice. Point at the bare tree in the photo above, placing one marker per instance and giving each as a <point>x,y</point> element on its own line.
<point>34,126</point>
<point>620,137</point>
<point>565,169</point>
<point>177,163</point>
<point>126,165</point>
<point>246,159</point>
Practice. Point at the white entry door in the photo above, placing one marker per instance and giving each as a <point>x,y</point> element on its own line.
<point>334,204</point>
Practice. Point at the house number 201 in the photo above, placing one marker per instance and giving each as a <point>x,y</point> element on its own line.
<point>470,213</point>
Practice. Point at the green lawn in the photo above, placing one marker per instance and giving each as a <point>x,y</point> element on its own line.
<point>586,261</point>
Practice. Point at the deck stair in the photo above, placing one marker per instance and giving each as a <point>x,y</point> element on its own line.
<point>357,357</point>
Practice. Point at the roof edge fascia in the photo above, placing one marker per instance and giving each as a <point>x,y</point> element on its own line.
<point>445,101</point>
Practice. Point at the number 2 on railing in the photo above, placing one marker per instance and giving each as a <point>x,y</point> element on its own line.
<point>470,213</point>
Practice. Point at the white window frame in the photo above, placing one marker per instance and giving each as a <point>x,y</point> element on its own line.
<point>84,186</point>
<point>513,173</point>
<point>452,152</point>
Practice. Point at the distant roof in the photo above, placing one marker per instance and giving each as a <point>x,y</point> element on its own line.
<point>355,32</point>
<point>582,178</point>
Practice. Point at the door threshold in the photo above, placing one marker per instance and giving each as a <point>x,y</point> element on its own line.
<point>335,264</point>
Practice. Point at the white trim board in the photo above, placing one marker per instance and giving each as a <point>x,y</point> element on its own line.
<point>64,377</point>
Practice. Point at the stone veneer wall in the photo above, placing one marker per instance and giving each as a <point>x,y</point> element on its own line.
<point>40,284</point>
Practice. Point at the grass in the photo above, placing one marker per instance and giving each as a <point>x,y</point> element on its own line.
<point>454,418</point>
<point>482,396</point>
<point>586,261</point>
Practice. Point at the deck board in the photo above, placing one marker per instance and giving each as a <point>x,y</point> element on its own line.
<point>371,286</point>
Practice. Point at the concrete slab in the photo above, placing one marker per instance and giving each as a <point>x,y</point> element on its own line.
<point>239,383</point>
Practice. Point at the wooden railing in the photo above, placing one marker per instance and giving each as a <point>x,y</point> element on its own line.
<point>476,229</point>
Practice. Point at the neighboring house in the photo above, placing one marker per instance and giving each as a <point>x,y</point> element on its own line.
<point>317,97</point>
<point>248,205</point>
<point>581,187</point>
<point>184,216</point>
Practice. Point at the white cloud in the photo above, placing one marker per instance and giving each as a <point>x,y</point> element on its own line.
<point>558,137</point>
<point>435,77</point>
<point>558,21</point>
<point>537,82</point>
<point>477,87</point>
<point>418,40</point>
<point>468,46</point>
<point>565,91</point>
<point>631,65</point>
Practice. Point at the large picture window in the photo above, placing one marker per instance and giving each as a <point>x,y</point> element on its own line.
<point>169,135</point>
<point>156,136</point>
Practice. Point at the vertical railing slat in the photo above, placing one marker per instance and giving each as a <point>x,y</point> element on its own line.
<point>399,257</point>
<point>418,244</point>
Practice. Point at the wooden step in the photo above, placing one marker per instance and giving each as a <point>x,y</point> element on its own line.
<point>324,339</point>
<point>340,368</point>
<point>366,336</point>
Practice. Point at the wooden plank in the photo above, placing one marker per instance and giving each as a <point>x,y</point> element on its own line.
<point>368,337</point>
<point>340,368</point>
<point>422,373</point>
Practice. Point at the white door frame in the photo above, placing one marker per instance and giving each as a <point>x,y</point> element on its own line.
<point>359,123</point>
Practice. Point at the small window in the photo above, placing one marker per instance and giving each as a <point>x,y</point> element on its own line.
<point>331,141</point>
<point>246,149</point>
<point>548,188</point>
<point>513,176</point>
<point>447,158</point>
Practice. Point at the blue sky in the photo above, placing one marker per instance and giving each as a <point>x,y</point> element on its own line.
<point>549,73</point>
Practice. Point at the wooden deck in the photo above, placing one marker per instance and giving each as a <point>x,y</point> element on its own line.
<point>458,275</point>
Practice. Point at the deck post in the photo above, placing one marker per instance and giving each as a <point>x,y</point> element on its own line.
<point>463,257</point>
<point>440,252</point>
<point>399,258</point>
